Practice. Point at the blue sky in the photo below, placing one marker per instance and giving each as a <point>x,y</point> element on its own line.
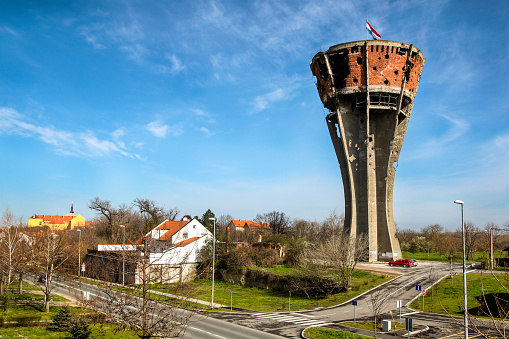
<point>211,104</point>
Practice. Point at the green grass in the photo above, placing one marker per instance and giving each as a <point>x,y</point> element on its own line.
<point>272,301</point>
<point>435,256</point>
<point>107,331</point>
<point>328,333</point>
<point>369,325</point>
<point>448,298</point>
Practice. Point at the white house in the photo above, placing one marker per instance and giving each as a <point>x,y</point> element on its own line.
<point>173,248</point>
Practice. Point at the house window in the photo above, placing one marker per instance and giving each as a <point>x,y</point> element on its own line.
<point>194,226</point>
<point>184,235</point>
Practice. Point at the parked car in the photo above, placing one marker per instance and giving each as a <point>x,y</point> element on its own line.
<point>42,278</point>
<point>403,262</point>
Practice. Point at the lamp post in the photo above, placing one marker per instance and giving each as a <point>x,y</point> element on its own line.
<point>213,262</point>
<point>459,202</point>
<point>79,253</point>
<point>491,246</point>
<point>123,255</point>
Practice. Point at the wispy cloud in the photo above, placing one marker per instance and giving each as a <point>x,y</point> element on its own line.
<point>9,30</point>
<point>85,144</point>
<point>207,131</point>
<point>262,102</point>
<point>440,142</point>
<point>160,130</point>
<point>203,116</point>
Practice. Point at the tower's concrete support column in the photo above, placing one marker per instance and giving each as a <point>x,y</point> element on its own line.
<point>369,88</point>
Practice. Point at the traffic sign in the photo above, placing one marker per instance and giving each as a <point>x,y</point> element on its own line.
<point>418,287</point>
<point>354,302</point>
<point>423,292</point>
<point>398,303</point>
<point>83,267</point>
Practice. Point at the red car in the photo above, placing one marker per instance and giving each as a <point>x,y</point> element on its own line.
<point>403,262</point>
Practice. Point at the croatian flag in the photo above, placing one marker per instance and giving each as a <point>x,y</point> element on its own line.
<point>372,31</point>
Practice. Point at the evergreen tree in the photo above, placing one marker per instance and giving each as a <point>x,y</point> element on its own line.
<point>205,220</point>
<point>62,321</point>
<point>79,329</point>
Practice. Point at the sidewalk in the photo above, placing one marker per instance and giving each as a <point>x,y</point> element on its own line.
<point>196,301</point>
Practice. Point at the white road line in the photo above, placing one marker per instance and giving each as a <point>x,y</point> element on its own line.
<point>405,314</point>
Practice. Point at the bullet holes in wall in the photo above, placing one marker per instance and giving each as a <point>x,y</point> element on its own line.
<point>386,82</point>
<point>355,80</point>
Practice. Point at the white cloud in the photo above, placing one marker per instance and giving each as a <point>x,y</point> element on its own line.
<point>262,102</point>
<point>203,116</point>
<point>158,129</point>
<point>75,144</point>
<point>176,64</point>
<point>9,30</point>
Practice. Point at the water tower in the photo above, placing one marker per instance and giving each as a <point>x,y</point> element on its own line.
<point>369,88</point>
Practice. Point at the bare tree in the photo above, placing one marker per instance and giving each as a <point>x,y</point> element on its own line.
<point>433,234</point>
<point>50,253</point>
<point>154,214</point>
<point>336,258</point>
<point>377,301</point>
<point>278,221</point>
<point>11,246</point>
<point>139,308</point>
<point>473,236</point>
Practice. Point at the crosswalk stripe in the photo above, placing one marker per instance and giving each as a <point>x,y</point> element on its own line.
<point>295,319</point>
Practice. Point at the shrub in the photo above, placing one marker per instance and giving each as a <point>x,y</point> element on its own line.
<point>27,321</point>
<point>62,320</point>
<point>79,329</point>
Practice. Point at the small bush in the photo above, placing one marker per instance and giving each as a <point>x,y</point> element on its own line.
<point>79,329</point>
<point>62,320</point>
<point>27,321</point>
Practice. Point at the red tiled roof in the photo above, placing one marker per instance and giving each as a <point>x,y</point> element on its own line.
<point>186,242</point>
<point>54,219</point>
<point>250,224</point>
<point>172,227</point>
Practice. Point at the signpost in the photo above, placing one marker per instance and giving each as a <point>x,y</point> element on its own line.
<point>423,294</point>
<point>398,305</point>
<point>409,326</point>
<point>418,288</point>
<point>83,267</point>
<point>354,303</point>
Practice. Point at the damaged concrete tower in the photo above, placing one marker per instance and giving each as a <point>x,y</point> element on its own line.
<point>369,88</point>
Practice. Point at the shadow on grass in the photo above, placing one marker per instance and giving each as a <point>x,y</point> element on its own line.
<point>493,304</point>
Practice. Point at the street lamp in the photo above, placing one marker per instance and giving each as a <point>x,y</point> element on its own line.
<point>459,202</point>
<point>123,255</point>
<point>213,262</point>
<point>79,253</point>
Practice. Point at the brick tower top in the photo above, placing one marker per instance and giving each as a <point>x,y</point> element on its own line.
<point>377,66</point>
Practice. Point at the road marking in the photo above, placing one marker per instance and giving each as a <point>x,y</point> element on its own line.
<point>405,314</point>
<point>209,333</point>
<point>294,319</point>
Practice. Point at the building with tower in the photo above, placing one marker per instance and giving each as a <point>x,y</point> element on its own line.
<point>58,222</point>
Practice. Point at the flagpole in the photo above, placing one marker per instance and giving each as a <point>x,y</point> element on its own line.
<point>367,29</point>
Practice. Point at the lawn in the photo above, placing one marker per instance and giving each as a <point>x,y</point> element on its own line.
<point>328,333</point>
<point>40,332</point>
<point>271,301</point>
<point>483,290</point>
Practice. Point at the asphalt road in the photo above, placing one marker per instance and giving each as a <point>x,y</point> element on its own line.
<point>290,324</point>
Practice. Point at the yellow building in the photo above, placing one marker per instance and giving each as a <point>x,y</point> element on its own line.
<point>57,222</point>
